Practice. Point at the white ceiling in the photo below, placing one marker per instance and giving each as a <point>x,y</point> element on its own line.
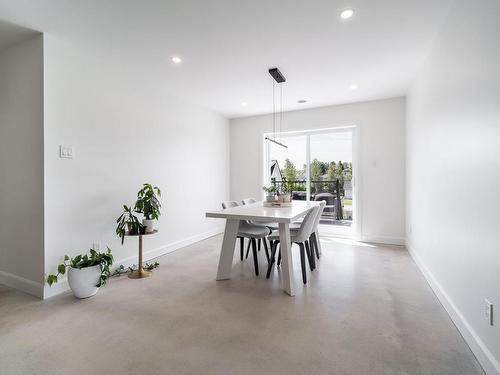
<point>228,45</point>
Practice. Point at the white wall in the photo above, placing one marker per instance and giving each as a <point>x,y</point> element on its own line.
<point>453,172</point>
<point>125,130</point>
<point>21,165</point>
<point>381,130</point>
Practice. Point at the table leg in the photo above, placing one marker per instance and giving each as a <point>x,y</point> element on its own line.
<point>140,273</point>
<point>227,250</point>
<point>286,259</point>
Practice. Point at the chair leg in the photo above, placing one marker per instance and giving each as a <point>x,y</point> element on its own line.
<point>279,257</point>
<point>242,247</point>
<point>273,255</point>
<point>310,256</point>
<point>311,243</point>
<point>303,263</point>
<point>266,249</point>
<point>248,247</point>
<point>315,241</point>
<point>255,260</point>
<point>318,242</point>
<point>259,244</point>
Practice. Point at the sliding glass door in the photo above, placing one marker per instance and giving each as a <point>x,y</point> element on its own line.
<point>318,165</point>
<point>330,166</point>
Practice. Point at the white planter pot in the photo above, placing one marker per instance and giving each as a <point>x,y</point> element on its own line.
<point>83,281</point>
<point>149,224</point>
<point>285,198</point>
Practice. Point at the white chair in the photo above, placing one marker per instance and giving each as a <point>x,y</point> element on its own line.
<point>259,241</point>
<point>250,231</point>
<point>271,226</point>
<point>248,201</point>
<point>314,239</point>
<point>300,237</point>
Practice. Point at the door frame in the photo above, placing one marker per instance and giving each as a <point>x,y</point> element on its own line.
<point>355,229</point>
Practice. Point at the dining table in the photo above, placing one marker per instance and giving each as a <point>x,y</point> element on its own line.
<point>258,213</point>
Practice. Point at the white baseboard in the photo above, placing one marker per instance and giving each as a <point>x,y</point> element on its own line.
<point>162,250</point>
<point>58,288</point>
<point>62,285</point>
<point>480,350</point>
<point>383,240</point>
<point>22,284</point>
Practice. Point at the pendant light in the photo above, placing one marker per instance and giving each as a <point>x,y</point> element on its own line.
<point>278,79</point>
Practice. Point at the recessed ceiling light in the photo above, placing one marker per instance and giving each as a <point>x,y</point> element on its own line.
<point>301,101</point>
<point>353,86</point>
<point>176,60</point>
<point>346,14</point>
<point>243,104</point>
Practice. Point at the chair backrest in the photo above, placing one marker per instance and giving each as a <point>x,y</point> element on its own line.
<point>322,205</point>
<point>229,204</point>
<point>306,227</point>
<point>248,201</point>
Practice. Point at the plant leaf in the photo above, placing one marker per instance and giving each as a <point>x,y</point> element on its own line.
<point>61,269</point>
<point>51,279</point>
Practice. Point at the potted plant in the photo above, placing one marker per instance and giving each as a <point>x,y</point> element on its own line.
<point>149,205</point>
<point>128,223</point>
<point>286,193</point>
<point>86,272</point>
<point>270,193</point>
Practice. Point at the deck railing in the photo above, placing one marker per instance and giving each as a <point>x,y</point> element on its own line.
<point>331,191</point>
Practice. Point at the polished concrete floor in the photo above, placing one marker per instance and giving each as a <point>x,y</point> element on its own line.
<point>366,310</point>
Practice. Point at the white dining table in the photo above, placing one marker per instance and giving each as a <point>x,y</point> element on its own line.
<point>257,212</point>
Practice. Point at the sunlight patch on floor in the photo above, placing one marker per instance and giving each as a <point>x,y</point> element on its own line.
<point>346,241</point>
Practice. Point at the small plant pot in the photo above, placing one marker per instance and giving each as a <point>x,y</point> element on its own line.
<point>142,230</point>
<point>149,225</point>
<point>83,281</point>
<point>131,229</point>
<point>286,198</point>
<point>270,198</point>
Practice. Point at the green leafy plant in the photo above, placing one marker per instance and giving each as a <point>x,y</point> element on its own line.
<point>286,187</point>
<point>148,202</point>
<point>122,270</point>
<point>299,187</point>
<point>128,223</point>
<point>94,258</point>
<point>269,189</point>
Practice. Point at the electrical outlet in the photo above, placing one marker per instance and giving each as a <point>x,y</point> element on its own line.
<point>488,311</point>
<point>66,152</point>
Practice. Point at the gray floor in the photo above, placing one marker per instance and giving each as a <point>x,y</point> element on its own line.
<point>366,310</point>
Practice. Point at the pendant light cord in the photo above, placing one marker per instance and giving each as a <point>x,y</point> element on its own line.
<point>278,78</point>
<point>281,111</point>
<point>274,113</point>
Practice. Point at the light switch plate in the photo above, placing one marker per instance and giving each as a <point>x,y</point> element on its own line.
<point>488,307</point>
<point>66,152</point>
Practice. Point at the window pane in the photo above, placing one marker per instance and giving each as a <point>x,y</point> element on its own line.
<point>289,164</point>
<point>331,175</point>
